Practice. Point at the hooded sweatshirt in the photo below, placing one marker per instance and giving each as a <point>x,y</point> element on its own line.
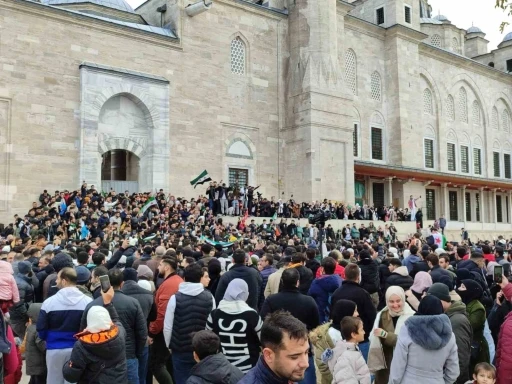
<point>60,317</point>
<point>190,289</point>
<point>8,287</point>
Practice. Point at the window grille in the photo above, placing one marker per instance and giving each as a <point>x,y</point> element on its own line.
<point>238,176</point>
<point>496,162</point>
<point>464,159</point>
<point>376,86</point>
<point>238,56</point>
<point>355,138</point>
<point>429,153</point>
<point>351,71</point>
<point>468,206</point>
<point>427,102</point>
<point>477,161</point>
<point>378,194</point>
<point>377,150</point>
<point>450,108</point>
<point>431,204</point>
<point>451,157</point>
<point>463,105</point>
<point>436,41</point>
<point>453,208</point>
<point>494,119</point>
<point>499,209</point>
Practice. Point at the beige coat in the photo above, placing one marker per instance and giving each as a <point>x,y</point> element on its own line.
<point>274,280</point>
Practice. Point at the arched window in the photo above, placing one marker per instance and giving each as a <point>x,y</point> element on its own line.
<point>376,86</point>
<point>238,56</point>
<point>427,102</point>
<point>463,105</point>
<point>477,156</point>
<point>455,45</point>
<point>494,119</point>
<point>436,41</point>
<point>476,113</point>
<point>351,71</point>
<point>505,118</point>
<point>450,108</point>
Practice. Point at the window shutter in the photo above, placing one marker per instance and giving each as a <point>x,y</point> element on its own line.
<point>477,162</point>
<point>377,152</point>
<point>451,157</point>
<point>429,153</point>
<point>496,161</point>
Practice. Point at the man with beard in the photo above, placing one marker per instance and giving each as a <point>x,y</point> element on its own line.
<point>285,347</point>
<point>159,354</point>
<point>59,321</point>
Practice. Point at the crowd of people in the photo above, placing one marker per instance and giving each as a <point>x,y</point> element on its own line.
<point>120,288</point>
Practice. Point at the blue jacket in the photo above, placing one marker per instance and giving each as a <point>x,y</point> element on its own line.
<point>59,319</point>
<point>321,290</point>
<point>265,273</point>
<point>261,374</point>
<point>410,260</point>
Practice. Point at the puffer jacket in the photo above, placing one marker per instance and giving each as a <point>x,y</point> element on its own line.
<point>321,290</point>
<point>133,320</point>
<point>425,352</point>
<point>143,296</point>
<point>215,369</point>
<point>347,365</point>
<point>503,360</point>
<point>400,277</point>
<point>463,332</point>
<point>370,280</point>
<point>321,341</point>
<point>25,288</point>
<point>35,348</point>
<point>99,362</point>
<point>8,287</point>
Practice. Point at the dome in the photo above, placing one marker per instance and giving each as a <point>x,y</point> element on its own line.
<point>474,30</point>
<point>121,5</point>
<point>441,18</point>
<point>507,37</point>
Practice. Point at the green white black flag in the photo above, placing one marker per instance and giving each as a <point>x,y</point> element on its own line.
<point>201,179</point>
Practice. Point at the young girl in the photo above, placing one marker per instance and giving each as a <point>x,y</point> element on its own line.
<point>346,361</point>
<point>484,374</point>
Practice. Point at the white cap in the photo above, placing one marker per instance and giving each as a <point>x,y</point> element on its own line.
<point>6,249</point>
<point>439,251</point>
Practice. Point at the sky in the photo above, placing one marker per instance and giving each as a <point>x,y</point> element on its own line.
<point>462,13</point>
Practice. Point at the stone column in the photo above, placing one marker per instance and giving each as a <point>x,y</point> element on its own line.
<point>463,189</point>
<point>493,217</point>
<point>445,206</point>
<point>482,205</point>
<point>118,166</point>
<point>389,190</point>
<point>319,131</point>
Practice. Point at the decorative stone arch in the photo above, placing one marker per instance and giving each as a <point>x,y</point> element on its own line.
<point>378,119</point>
<point>507,147</point>
<point>465,80</point>
<point>464,139</point>
<point>496,145</point>
<point>150,94</point>
<point>452,136</point>
<point>244,140</point>
<point>436,94</point>
<point>122,143</point>
<point>477,142</point>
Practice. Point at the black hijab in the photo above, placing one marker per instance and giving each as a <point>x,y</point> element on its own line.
<point>473,291</point>
<point>430,306</point>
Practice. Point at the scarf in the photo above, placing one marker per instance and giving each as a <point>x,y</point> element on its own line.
<point>376,358</point>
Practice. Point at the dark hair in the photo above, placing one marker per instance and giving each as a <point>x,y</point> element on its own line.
<point>351,272</point>
<point>270,258</point>
<point>499,251</point>
<point>206,248</point>
<point>486,367</point>
<point>432,258</point>
<point>310,253</point>
<point>461,252</point>
<point>190,260</point>
<point>82,257</point>
<point>275,326</point>
<point>239,256</point>
<point>446,257</point>
<point>298,258</point>
<point>171,262</point>
<point>148,250</point>
<point>486,249</point>
<point>193,273</point>
<point>290,277</point>
<point>68,274</point>
<point>97,258</point>
<point>396,262</point>
<point>329,265</point>
<point>349,325</point>
<point>100,271</point>
<point>205,343</point>
<point>116,277</point>
<point>346,255</point>
<point>413,249</point>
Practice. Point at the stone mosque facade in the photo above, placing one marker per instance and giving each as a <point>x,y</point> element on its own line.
<point>368,101</point>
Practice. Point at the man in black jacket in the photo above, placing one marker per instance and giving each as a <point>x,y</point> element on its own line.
<point>300,306</point>
<point>132,318</point>
<point>370,280</point>
<point>399,276</point>
<point>436,272</point>
<point>240,270</point>
<point>351,290</point>
<point>306,275</point>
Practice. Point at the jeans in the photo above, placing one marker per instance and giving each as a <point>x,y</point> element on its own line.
<point>364,348</point>
<point>132,369</point>
<point>143,365</point>
<point>310,374</point>
<point>224,206</point>
<point>210,204</point>
<point>235,205</point>
<point>182,363</point>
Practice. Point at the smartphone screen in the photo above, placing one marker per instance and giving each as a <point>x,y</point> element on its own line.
<point>498,273</point>
<point>105,283</point>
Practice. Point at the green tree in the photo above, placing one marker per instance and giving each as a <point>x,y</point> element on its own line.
<point>506,5</point>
